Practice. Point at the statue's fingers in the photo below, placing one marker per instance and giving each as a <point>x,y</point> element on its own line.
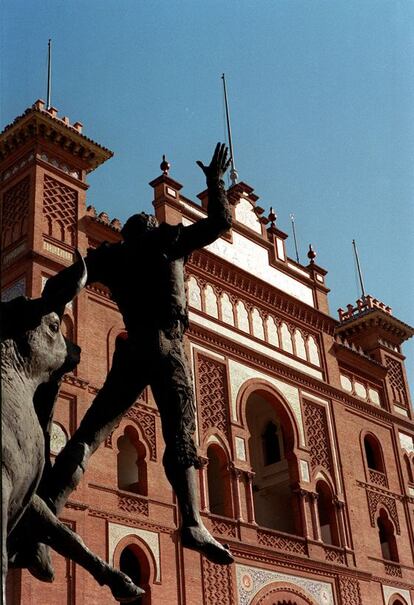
<point>224,153</point>
<point>220,154</point>
<point>216,154</point>
<point>226,167</point>
<point>199,163</point>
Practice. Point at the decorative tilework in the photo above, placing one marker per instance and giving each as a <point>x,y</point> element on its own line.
<point>252,579</point>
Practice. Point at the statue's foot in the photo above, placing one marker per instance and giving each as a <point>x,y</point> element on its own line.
<point>198,538</point>
<point>37,561</point>
<point>122,587</point>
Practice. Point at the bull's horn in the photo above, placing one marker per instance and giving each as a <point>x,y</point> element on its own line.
<point>65,285</point>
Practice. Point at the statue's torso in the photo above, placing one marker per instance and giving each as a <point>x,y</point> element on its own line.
<point>146,283</point>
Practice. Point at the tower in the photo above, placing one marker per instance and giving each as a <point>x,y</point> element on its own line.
<point>45,160</point>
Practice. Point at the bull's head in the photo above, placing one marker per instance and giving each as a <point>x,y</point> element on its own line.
<point>34,325</point>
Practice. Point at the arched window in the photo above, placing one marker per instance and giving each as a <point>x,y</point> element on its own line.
<point>387,537</point>
<point>129,564</point>
<point>286,338</point>
<point>272,443</point>
<point>327,514</point>
<point>131,463</point>
<point>134,564</point>
<point>373,454</point>
<point>219,483</point>
<point>270,457</point>
<point>397,600</point>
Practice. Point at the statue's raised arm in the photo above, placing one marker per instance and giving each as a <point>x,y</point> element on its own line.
<point>218,219</point>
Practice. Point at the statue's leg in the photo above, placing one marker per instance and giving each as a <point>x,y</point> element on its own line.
<point>67,543</point>
<point>123,385</point>
<point>173,391</point>
<point>5,498</point>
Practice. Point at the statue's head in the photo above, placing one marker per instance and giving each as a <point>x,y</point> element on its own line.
<point>138,224</point>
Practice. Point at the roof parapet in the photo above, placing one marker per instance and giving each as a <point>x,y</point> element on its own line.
<point>362,306</point>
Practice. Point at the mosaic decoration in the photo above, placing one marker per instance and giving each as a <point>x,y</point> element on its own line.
<point>252,579</point>
<point>117,532</point>
<point>240,448</point>
<point>391,591</point>
<point>58,438</point>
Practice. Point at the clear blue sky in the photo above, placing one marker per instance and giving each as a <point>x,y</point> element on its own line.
<point>322,107</point>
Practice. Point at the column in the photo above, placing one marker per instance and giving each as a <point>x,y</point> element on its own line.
<point>236,474</point>
<point>204,503</point>
<point>339,510</point>
<point>315,517</point>
<point>302,494</point>
<point>249,493</point>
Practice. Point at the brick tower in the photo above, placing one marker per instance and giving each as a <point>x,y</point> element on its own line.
<point>45,160</point>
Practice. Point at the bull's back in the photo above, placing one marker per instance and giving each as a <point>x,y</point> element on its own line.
<point>22,450</point>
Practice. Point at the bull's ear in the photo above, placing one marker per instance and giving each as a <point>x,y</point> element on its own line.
<point>64,286</point>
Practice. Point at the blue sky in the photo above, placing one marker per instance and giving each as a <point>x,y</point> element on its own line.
<point>322,108</point>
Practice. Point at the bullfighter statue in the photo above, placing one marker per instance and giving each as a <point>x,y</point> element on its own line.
<point>145,275</point>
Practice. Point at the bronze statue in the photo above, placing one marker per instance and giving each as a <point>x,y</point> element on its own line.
<point>34,357</point>
<point>145,275</point>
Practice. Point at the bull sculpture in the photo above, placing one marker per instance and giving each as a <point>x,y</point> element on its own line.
<point>34,357</point>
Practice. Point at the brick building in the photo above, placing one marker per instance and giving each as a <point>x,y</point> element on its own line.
<point>305,428</point>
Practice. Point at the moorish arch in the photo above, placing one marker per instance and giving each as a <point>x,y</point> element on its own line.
<point>397,599</point>
<point>217,485</point>
<point>273,437</point>
<point>133,557</point>
<point>282,593</point>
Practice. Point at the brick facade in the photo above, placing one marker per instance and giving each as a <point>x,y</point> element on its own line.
<point>304,423</point>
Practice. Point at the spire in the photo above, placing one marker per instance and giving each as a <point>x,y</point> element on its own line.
<point>361,281</point>
<point>49,74</point>
<point>292,218</point>
<point>233,173</point>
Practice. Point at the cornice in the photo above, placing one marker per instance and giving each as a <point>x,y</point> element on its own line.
<point>255,554</point>
<point>129,521</point>
<point>379,319</point>
<point>211,268</point>
<point>392,580</point>
<point>350,354</point>
<point>380,490</point>
<point>38,122</point>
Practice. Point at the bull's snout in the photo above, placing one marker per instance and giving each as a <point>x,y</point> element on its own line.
<point>72,356</point>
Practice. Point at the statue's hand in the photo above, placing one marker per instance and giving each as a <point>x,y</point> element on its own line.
<point>219,163</point>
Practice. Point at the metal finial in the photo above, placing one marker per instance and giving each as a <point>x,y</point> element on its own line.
<point>165,165</point>
<point>233,172</point>
<point>272,217</point>
<point>311,254</point>
<point>361,281</point>
<point>292,218</point>
<point>49,75</point>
